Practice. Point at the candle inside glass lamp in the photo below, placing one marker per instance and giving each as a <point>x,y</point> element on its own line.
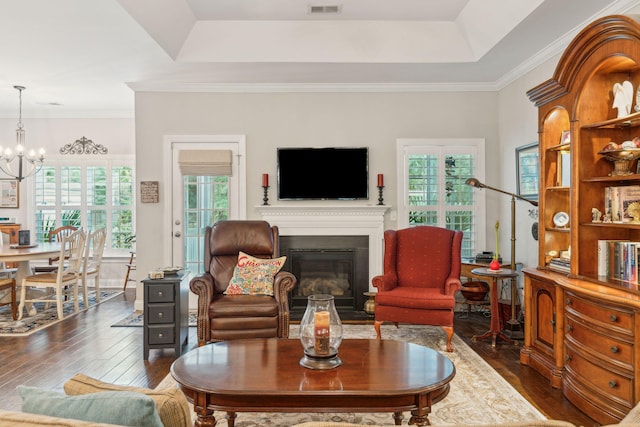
<point>321,325</point>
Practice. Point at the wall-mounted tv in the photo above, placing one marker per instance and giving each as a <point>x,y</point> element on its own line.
<point>323,173</point>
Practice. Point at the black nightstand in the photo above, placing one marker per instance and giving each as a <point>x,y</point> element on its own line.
<point>166,313</point>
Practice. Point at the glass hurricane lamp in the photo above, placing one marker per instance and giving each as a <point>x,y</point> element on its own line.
<point>320,333</point>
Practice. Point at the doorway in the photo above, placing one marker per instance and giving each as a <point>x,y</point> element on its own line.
<point>199,200</point>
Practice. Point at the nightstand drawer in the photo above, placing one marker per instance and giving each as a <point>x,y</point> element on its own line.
<point>161,293</point>
<point>161,313</point>
<point>161,335</point>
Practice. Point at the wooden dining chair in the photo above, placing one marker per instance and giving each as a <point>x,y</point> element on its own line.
<point>9,285</point>
<point>63,281</point>
<point>131,266</point>
<point>55,235</point>
<point>91,262</point>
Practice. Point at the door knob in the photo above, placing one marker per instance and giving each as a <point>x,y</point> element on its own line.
<point>177,234</point>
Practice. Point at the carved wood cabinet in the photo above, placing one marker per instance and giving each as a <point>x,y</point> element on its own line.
<point>581,328</point>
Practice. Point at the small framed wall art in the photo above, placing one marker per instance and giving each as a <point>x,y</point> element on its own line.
<point>527,165</point>
<point>9,193</point>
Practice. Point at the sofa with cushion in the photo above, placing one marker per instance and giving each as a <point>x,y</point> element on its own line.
<point>90,402</point>
<point>172,407</point>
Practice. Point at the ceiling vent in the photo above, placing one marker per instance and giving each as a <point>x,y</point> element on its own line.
<point>314,10</point>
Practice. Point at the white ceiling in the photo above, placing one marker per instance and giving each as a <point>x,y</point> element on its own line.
<point>81,58</point>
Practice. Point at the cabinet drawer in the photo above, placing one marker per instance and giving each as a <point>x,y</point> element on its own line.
<point>161,313</point>
<point>601,314</point>
<point>609,348</point>
<point>597,376</point>
<point>161,293</point>
<point>161,335</point>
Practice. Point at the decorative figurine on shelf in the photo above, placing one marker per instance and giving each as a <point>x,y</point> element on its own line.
<point>596,215</point>
<point>634,212</point>
<point>495,264</point>
<point>623,98</point>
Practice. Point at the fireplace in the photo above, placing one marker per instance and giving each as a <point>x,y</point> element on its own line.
<point>339,223</point>
<point>333,265</point>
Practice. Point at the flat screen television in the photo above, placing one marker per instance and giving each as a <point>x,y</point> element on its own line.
<point>323,173</point>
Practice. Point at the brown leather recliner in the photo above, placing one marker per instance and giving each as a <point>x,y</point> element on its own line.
<point>224,317</point>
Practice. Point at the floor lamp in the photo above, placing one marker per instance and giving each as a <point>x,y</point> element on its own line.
<point>512,324</point>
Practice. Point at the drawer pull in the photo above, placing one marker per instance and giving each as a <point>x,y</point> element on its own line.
<point>614,349</point>
<point>569,328</point>
<point>613,384</point>
<point>160,314</point>
<point>569,302</point>
<point>567,357</point>
<point>160,335</point>
<point>160,293</point>
<point>613,318</point>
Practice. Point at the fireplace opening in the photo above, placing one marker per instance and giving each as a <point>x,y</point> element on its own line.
<point>324,271</point>
<point>333,265</point>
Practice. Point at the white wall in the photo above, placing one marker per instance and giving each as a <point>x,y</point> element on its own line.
<point>272,120</point>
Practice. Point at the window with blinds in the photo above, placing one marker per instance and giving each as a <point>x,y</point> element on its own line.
<point>92,196</point>
<point>435,192</point>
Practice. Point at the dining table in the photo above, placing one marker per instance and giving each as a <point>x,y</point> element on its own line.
<point>23,255</point>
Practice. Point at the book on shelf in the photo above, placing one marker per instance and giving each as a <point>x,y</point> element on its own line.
<point>617,201</point>
<point>604,251</point>
<point>560,264</point>
<point>618,260</point>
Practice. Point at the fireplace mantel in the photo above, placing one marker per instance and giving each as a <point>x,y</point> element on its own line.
<point>332,220</point>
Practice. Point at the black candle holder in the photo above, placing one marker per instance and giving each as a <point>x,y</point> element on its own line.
<point>380,199</point>
<point>265,199</point>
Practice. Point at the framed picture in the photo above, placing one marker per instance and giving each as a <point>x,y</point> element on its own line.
<point>527,166</point>
<point>566,137</point>
<point>9,193</point>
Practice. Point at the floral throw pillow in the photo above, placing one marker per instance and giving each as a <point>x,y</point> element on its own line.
<point>254,276</point>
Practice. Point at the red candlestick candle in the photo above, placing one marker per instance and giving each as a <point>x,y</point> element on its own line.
<point>265,179</point>
<point>321,332</point>
<point>380,180</point>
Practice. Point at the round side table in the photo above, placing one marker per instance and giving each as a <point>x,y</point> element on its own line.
<point>494,329</point>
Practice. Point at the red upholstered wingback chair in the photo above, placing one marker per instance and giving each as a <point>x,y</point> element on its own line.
<point>421,276</point>
<point>224,317</point>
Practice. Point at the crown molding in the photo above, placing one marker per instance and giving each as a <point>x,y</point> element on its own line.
<point>311,87</point>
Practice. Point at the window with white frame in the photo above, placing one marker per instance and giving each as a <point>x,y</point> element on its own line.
<point>91,194</point>
<point>433,189</point>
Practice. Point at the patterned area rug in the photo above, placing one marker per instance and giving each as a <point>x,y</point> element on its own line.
<point>479,395</point>
<point>45,318</point>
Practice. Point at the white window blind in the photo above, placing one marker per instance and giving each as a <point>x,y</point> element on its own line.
<point>205,162</point>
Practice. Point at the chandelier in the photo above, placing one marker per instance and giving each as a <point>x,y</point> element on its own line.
<point>16,162</point>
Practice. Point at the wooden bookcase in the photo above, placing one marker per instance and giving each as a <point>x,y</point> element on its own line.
<point>581,329</point>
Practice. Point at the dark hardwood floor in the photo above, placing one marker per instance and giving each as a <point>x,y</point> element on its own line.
<point>87,343</point>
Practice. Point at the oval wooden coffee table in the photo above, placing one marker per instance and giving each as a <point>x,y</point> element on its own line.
<point>264,375</point>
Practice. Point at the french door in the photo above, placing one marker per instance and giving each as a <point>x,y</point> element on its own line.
<point>199,201</point>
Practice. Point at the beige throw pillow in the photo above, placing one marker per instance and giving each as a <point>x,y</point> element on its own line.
<point>171,403</point>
